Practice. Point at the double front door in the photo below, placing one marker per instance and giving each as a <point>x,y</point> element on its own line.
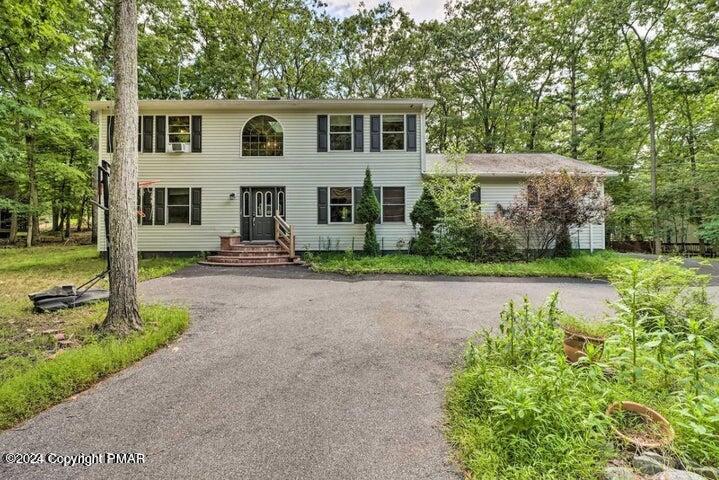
<point>258,209</point>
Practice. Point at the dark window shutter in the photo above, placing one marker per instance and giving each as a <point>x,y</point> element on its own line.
<point>139,205</point>
<point>159,206</point>
<point>412,133</point>
<point>147,133</point>
<point>160,122</point>
<point>196,202</point>
<point>321,205</point>
<point>147,206</point>
<point>359,133</point>
<point>139,133</point>
<point>110,133</point>
<point>197,133</point>
<point>374,133</point>
<point>378,195</point>
<point>476,195</point>
<point>357,197</point>
<point>322,133</point>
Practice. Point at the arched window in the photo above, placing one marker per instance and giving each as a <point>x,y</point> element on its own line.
<point>262,137</point>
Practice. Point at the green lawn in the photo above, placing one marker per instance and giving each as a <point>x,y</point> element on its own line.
<point>581,265</point>
<point>46,357</point>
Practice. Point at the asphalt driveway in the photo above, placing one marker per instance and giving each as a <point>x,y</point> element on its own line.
<point>285,374</point>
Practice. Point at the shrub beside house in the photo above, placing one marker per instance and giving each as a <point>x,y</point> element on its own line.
<point>538,220</point>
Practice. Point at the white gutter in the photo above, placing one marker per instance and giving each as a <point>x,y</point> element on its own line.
<point>416,104</point>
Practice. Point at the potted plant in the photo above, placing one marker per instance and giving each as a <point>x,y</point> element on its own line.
<point>582,338</point>
<point>639,425</point>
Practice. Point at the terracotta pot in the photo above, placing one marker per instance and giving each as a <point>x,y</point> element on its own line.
<point>651,416</point>
<point>575,344</point>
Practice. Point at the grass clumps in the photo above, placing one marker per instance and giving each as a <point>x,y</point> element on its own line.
<point>596,329</point>
<point>46,357</point>
<point>49,381</point>
<point>580,265</point>
<point>519,410</point>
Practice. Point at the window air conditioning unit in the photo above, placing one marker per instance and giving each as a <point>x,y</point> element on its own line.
<point>180,147</point>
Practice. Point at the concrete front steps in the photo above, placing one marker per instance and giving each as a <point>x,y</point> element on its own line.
<point>243,254</point>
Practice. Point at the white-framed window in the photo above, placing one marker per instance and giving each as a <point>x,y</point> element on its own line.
<point>169,205</point>
<point>341,205</point>
<point>179,129</point>
<point>393,204</point>
<point>259,204</point>
<point>246,204</point>
<point>268,204</point>
<point>281,203</point>
<point>340,133</point>
<point>393,132</point>
<point>178,205</point>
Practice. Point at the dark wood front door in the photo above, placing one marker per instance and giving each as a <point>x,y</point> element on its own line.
<point>259,205</point>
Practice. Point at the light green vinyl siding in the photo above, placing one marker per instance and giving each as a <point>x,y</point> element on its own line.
<point>220,170</point>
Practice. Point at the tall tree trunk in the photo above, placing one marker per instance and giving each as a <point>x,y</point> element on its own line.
<point>66,234</point>
<point>643,74</point>
<point>60,225</point>
<point>81,214</point>
<point>32,191</point>
<point>13,228</point>
<point>695,208</point>
<point>574,138</point>
<point>123,312</point>
<point>55,219</point>
<point>653,157</point>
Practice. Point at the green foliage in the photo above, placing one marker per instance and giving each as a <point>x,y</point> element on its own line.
<point>664,293</point>
<point>463,232</point>
<point>582,265</point>
<point>595,329</point>
<point>709,231</point>
<point>425,213</point>
<point>483,239</point>
<point>568,67</point>
<point>51,381</point>
<point>519,410</point>
<point>631,221</point>
<point>368,212</point>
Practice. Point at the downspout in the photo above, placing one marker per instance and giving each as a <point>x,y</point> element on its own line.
<point>422,147</point>
<point>591,238</point>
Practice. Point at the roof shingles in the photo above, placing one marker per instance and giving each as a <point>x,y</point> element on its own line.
<point>514,165</point>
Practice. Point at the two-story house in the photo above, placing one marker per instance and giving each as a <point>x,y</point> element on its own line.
<point>248,169</point>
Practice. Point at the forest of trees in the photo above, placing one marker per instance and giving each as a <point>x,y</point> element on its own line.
<point>627,84</point>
